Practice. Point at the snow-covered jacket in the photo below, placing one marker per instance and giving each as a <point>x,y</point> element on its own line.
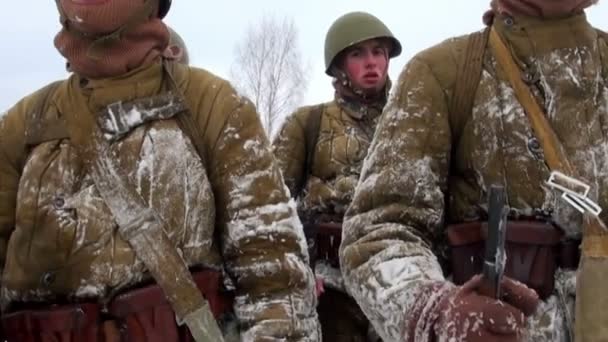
<point>228,210</point>
<point>428,167</point>
<point>345,132</point>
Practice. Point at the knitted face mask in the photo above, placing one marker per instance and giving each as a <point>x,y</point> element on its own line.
<point>104,38</point>
<point>102,16</point>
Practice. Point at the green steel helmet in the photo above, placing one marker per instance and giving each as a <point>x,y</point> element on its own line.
<point>353,28</point>
<point>163,8</point>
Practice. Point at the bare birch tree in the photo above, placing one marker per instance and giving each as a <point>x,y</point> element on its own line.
<point>268,68</point>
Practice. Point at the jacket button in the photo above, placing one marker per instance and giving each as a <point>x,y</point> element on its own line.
<point>48,278</point>
<point>535,148</point>
<point>509,21</point>
<point>530,77</point>
<point>58,202</point>
<point>543,213</point>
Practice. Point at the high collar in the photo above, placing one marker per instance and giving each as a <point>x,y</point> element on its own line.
<point>529,36</point>
<point>360,108</point>
<point>141,82</point>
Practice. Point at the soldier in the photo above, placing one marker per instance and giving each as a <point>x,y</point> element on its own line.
<point>458,124</point>
<point>320,150</point>
<point>128,190</point>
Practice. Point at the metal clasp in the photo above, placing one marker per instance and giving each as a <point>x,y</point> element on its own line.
<point>575,192</point>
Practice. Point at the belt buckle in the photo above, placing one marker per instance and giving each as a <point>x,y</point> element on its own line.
<point>574,192</point>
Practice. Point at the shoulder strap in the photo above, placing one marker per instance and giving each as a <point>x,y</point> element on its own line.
<point>594,246</point>
<point>39,127</point>
<point>468,76</point>
<point>143,230</point>
<point>311,131</point>
<point>145,233</point>
<point>595,238</point>
<point>555,155</point>
<point>184,118</point>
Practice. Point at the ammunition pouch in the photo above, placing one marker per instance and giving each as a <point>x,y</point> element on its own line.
<point>534,250</point>
<point>142,314</point>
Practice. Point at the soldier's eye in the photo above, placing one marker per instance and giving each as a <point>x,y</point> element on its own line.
<point>355,53</point>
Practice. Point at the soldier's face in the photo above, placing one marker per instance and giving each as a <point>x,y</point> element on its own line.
<point>366,65</point>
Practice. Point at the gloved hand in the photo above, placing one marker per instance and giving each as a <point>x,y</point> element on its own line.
<point>464,314</point>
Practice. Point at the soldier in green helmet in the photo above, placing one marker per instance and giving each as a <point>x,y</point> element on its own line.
<point>320,150</point>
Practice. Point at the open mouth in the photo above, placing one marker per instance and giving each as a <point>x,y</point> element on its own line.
<point>89,2</point>
<point>371,77</point>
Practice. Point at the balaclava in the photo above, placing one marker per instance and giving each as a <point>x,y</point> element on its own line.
<point>107,38</point>
<point>547,9</point>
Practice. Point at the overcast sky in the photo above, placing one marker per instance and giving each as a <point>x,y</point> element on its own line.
<point>28,59</point>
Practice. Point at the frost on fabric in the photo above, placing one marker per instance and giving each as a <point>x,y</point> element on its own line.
<point>9,296</point>
<point>578,85</point>
<point>177,181</point>
<point>256,148</point>
<point>240,193</point>
<point>548,324</point>
<point>173,184</point>
<point>121,118</point>
<point>231,132</point>
<point>397,271</point>
<point>501,144</point>
<point>257,215</point>
<point>89,291</point>
<point>576,99</point>
<point>331,276</point>
<point>296,308</point>
<point>261,268</point>
<point>295,304</point>
<point>255,223</point>
<point>283,313</point>
<point>393,113</point>
<point>385,285</point>
<point>252,220</point>
<point>385,288</point>
<point>413,181</point>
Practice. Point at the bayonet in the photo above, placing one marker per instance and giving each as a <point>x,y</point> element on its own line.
<point>495,255</point>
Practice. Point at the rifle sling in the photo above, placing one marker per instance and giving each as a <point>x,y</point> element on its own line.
<point>311,131</point>
<point>467,80</point>
<point>145,232</point>
<point>595,238</point>
<point>146,235</point>
<point>40,127</point>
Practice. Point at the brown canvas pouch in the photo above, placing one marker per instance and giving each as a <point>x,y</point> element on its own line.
<point>61,323</point>
<point>532,248</point>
